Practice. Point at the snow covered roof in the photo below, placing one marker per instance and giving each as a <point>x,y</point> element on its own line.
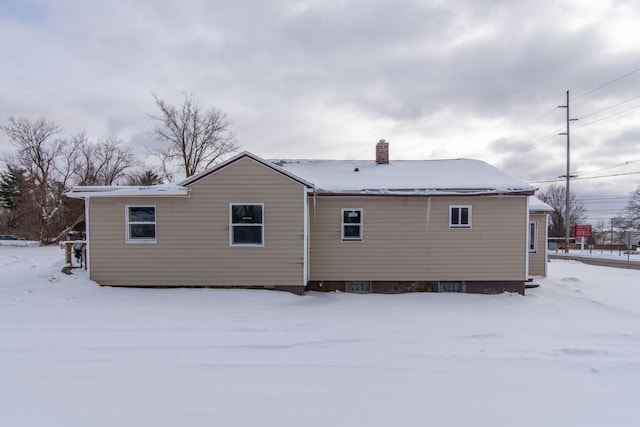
<point>405,177</point>
<point>81,192</point>
<point>400,177</point>
<point>179,189</point>
<point>538,205</point>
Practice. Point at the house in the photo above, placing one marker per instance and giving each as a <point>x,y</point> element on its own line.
<point>357,226</point>
<point>538,235</point>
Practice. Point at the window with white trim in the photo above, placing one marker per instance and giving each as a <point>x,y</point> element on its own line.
<point>533,236</point>
<point>459,216</point>
<point>141,224</point>
<point>246,224</point>
<point>351,224</point>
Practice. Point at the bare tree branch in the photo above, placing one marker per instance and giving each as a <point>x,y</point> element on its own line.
<point>192,136</point>
<point>555,197</point>
<point>51,165</point>
<point>103,163</point>
<point>42,158</point>
<point>632,211</point>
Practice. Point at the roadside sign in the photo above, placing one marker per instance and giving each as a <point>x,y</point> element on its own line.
<point>628,238</point>
<point>582,231</point>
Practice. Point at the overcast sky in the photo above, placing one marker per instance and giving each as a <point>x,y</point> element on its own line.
<point>328,79</point>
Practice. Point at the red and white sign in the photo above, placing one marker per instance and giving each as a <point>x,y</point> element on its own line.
<point>582,231</point>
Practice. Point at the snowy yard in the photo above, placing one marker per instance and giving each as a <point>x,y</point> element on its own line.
<point>76,354</point>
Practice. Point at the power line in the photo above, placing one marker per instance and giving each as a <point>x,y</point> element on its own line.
<point>539,142</point>
<point>585,177</point>
<point>609,107</point>
<point>549,137</point>
<point>606,117</point>
<point>621,199</point>
<point>607,84</point>
<point>596,171</point>
<point>605,209</point>
<point>601,217</point>
<point>617,166</point>
<point>606,176</point>
<point>604,199</point>
<point>606,202</point>
<point>617,210</point>
<point>525,128</point>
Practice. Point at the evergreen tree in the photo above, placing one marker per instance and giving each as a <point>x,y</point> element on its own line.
<point>12,184</point>
<point>148,177</point>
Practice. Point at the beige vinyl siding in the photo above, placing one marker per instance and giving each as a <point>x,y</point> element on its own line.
<point>192,233</point>
<point>538,259</point>
<point>409,238</point>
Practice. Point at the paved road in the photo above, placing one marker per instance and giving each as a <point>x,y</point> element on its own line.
<point>605,262</point>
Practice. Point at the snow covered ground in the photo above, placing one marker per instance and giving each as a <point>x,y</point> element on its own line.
<point>76,354</point>
<point>601,253</point>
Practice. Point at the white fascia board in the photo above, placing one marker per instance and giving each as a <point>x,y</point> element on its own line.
<point>88,192</point>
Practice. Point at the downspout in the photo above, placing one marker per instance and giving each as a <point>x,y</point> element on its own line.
<point>428,211</point>
<point>305,238</point>
<point>86,237</point>
<point>315,210</point>
<point>526,240</point>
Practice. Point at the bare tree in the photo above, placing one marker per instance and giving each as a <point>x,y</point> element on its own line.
<point>105,162</point>
<point>555,196</point>
<point>632,211</point>
<point>193,136</point>
<point>601,232</point>
<point>49,164</point>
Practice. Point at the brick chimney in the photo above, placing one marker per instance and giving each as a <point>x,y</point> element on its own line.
<point>382,152</point>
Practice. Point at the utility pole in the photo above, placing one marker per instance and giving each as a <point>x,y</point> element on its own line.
<point>567,207</point>
<point>611,237</point>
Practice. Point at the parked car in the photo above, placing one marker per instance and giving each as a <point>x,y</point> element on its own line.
<point>10,237</point>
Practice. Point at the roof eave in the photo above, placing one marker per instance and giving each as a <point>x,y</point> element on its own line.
<point>97,192</point>
<point>430,192</point>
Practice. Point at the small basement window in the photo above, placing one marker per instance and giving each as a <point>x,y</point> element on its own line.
<point>246,224</point>
<point>459,216</point>
<point>351,224</point>
<point>141,224</point>
<point>451,287</point>
<point>359,287</point>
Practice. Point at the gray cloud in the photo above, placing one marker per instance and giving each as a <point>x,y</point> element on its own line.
<point>328,78</point>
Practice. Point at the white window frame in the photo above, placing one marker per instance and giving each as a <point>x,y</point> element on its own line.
<point>533,236</point>
<point>128,223</point>
<point>359,238</point>
<point>232,225</point>
<point>460,207</point>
